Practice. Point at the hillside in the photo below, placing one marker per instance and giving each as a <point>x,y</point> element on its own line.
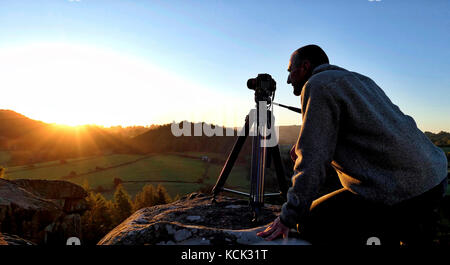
<point>29,141</point>
<point>161,139</point>
<point>440,139</point>
<point>14,125</point>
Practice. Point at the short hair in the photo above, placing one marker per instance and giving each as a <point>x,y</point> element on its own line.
<point>313,53</point>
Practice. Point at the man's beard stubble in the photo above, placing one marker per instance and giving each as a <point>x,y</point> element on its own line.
<point>298,89</point>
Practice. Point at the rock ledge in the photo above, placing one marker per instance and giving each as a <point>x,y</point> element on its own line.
<point>194,220</point>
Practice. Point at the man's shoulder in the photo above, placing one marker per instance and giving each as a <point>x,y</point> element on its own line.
<point>335,78</point>
<point>326,73</point>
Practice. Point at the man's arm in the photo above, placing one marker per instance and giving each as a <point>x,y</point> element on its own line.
<point>314,149</point>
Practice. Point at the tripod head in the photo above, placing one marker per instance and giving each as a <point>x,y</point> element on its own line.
<point>260,119</point>
<point>264,86</point>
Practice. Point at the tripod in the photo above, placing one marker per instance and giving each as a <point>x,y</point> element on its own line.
<point>261,155</point>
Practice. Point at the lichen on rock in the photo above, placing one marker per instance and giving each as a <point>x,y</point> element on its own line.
<point>195,220</point>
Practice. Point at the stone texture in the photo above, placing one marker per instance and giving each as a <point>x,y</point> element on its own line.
<point>41,211</point>
<point>13,240</point>
<point>227,222</point>
<point>75,205</point>
<point>52,189</point>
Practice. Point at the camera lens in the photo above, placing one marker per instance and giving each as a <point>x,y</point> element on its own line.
<point>251,83</point>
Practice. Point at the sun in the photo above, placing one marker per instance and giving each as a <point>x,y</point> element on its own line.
<point>76,84</point>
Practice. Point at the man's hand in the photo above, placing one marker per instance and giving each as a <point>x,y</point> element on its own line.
<point>274,230</point>
<point>293,154</point>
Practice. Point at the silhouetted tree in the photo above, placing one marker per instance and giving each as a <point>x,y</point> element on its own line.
<point>122,204</point>
<point>151,196</point>
<point>100,189</point>
<point>145,198</point>
<point>97,221</point>
<point>117,182</point>
<point>162,196</point>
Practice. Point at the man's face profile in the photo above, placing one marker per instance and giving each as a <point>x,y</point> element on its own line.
<point>297,74</point>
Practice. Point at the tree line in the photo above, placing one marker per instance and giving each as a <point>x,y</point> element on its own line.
<point>103,215</point>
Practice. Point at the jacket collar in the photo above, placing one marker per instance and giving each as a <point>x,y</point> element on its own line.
<point>325,67</point>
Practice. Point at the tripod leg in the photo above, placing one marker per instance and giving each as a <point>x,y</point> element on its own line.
<point>231,160</point>
<point>275,153</point>
<point>259,156</point>
<point>257,177</point>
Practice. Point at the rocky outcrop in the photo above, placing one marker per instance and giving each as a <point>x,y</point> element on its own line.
<point>42,211</point>
<point>68,196</point>
<point>12,240</point>
<point>194,220</point>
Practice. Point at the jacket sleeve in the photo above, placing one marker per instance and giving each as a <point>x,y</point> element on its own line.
<point>315,150</point>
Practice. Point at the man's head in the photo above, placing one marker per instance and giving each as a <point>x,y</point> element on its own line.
<point>302,63</point>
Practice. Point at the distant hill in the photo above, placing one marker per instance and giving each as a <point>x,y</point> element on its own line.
<point>161,139</point>
<point>30,141</point>
<point>14,125</point>
<point>289,134</point>
<point>440,139</point>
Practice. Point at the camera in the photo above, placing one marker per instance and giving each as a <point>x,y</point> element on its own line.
<point>264,86</point>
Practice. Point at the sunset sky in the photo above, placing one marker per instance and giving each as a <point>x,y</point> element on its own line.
<point>150,62</point>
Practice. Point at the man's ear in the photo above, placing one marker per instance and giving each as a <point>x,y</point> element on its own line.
<point>306,64</point>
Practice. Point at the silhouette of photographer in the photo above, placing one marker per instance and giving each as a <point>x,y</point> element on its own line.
<point>393,176</point>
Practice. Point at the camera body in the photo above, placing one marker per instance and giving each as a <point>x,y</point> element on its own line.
<point>264,86</point>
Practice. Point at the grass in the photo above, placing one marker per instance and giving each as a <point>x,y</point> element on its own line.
<point>4,158</point>
<point>135,171</point>
<point>56,170</point>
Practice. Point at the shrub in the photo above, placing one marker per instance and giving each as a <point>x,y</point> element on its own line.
<point>151,196</point>
<point>117,182</point>
<point>162,196</point>
<point>122,204</point>
<point>97,221</point>
<point>145,198</point>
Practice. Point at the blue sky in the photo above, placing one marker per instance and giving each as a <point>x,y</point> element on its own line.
<point>217,45</point>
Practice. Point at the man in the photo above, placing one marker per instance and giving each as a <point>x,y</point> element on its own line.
<point>393,176</point>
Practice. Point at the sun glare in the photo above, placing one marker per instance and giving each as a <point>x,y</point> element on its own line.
<point>75,84</point>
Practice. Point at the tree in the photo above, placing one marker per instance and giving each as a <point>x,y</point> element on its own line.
<point>145,198</point>
<point>86,186</point>
<point>162,196</point>
<point>149,196</point>
<point>97,221</point>
<point>122,204</point>
<point>177,197</point>
<point>117,181</point>
<point>100,189</point>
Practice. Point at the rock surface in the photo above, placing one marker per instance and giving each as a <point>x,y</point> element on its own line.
<point>12,240</point>
<point>194,220</point>
<point>52,189</point>
<point>42,211</point>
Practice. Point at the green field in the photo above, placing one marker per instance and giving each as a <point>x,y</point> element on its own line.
<point>136,171</point>
<point>182,170</point>
<point>4,158</point>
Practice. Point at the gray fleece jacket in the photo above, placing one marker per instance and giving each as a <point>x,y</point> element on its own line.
<point>377,151</point>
